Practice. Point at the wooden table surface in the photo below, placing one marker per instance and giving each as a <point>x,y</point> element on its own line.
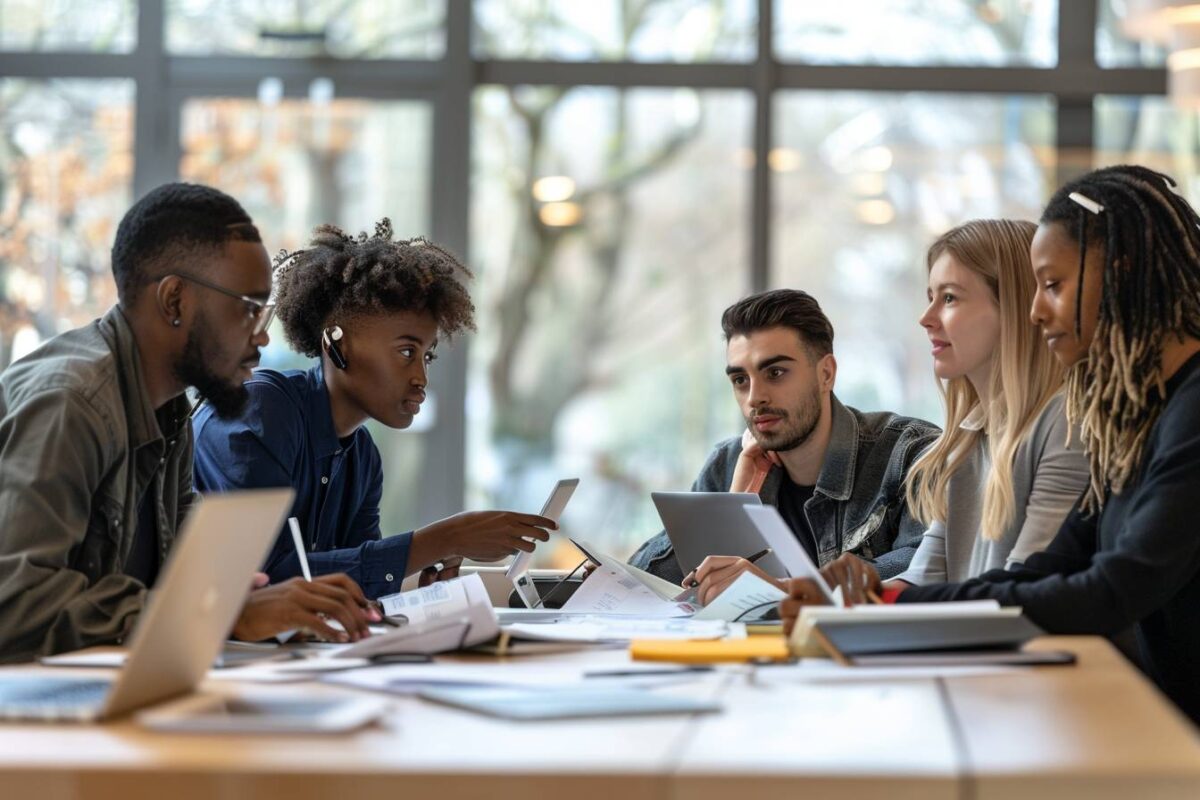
<point>1098,730</point>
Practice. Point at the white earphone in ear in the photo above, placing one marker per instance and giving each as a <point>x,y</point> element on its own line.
<point>332,336</point>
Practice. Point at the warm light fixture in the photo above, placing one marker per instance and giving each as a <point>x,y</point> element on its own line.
<point>553,189</point>
<point>868,184</point>
<point>784,159</point>
<point>1176,26</point>
<point>875,212</point>
<point>560,215</point>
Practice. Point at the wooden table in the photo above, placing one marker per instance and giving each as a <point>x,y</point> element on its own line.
<point>1098,730</point>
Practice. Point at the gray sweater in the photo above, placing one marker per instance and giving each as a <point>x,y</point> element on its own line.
<point>1048,476</point>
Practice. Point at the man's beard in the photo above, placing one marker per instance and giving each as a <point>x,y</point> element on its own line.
<point>796,425</point>
<point>194,369</point>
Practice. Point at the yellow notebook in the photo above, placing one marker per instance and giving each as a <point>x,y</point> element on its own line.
<point>773,648</point>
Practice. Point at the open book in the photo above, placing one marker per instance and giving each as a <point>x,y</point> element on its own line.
<point>444,616</point>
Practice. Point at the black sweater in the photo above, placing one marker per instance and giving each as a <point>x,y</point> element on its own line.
<point>1136,563</point>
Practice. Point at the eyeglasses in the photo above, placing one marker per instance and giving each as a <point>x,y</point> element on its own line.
<point>257,311</point>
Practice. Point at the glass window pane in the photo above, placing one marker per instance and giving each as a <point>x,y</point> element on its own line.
<point>75,25</point>
<point>959,32</point>
<point>1114,48</point>
<point>609,231</point>
<point>66,168</point>
<point>1152,132</point>
<point>297,28</point>
<point>863,184</point>
<point>295,165</point>
<point>609,30</point>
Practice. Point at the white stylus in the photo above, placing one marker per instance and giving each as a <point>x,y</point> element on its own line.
<point>298,540</point>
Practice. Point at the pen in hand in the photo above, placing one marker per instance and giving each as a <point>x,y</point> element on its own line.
<point>692,583</point>
<point>302,557</point>
<point>298,541</point>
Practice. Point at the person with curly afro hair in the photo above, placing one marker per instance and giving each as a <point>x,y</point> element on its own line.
<point>372,309</point>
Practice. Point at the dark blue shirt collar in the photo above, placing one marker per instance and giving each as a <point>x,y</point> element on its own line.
<point>321,433</point>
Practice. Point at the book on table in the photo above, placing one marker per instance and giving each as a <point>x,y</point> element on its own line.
<point>921,634</point>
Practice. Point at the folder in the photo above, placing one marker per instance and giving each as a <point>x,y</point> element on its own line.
<point>754,648</point>
<point>983,639</point>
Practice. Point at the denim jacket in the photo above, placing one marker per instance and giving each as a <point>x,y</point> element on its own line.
<point>80,443</point>
<point>858,505</point>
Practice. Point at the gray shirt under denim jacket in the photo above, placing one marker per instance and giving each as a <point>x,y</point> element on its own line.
<point>1048,475</point>
<point>858,505</point>
<point>79,444</point>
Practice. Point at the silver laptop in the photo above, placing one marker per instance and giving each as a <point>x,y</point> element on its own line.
<point>702,524</point>
<point>197,599</point>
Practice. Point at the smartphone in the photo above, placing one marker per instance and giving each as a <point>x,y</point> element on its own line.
<point>518,571</point>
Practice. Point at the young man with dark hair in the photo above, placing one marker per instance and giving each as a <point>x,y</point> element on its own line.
<point>836,474</point>
<point>372,309</point>
<point>95,441</point>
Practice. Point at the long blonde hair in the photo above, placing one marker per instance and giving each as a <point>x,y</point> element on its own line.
<point>1024,376</point>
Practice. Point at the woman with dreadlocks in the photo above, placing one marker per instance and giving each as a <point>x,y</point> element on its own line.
<point>372,310</point>
<point>1117,262</point>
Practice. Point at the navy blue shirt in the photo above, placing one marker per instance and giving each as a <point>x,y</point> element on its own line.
<point>285,437</point>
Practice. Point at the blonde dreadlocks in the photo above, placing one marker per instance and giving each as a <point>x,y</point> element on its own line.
<point>1150,291</point>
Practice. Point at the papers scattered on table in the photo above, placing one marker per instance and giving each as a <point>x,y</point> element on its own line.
<point>747,598</point>
<point>608,629</point>
<point>618,588</point>
<point>411,678</point>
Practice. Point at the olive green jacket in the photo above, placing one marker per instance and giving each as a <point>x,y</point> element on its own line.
<point>79,444</point>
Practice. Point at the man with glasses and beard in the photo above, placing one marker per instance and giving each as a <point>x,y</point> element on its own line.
<point>96,443</point>
<point>836,474</point>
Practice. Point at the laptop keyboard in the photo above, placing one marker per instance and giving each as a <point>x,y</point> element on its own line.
<point>51,698</point>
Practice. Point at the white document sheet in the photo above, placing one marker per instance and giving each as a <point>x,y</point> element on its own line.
<point>787,548</point>
<point>664,589</point>
<point>608,591</point>
<point>747,598</point>
<point>618,588</point>
<point>608,629</point>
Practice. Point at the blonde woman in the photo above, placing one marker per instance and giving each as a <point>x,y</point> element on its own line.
<point>1117,262</point>
<point>997,484</point>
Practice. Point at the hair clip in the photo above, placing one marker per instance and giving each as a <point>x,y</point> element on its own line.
<point>1087,202</point>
